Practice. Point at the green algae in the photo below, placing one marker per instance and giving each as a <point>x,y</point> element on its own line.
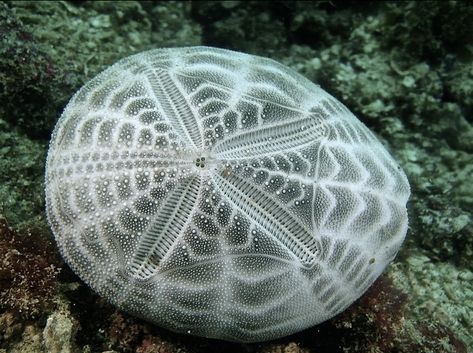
<point>21,179</point>
<point>440,291</point>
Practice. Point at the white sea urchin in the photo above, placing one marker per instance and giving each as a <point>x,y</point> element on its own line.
<point>221,194</point>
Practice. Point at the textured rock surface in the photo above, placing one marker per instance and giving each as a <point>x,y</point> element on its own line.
<point>221,194</point>
<point>58,335</point>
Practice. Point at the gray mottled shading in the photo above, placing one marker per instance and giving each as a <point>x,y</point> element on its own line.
<point>221,194</point>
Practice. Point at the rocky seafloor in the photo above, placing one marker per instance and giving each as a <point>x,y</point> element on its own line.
<point>404,68</point>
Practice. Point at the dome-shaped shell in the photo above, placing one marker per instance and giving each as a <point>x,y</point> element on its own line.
<point>221,194</point>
